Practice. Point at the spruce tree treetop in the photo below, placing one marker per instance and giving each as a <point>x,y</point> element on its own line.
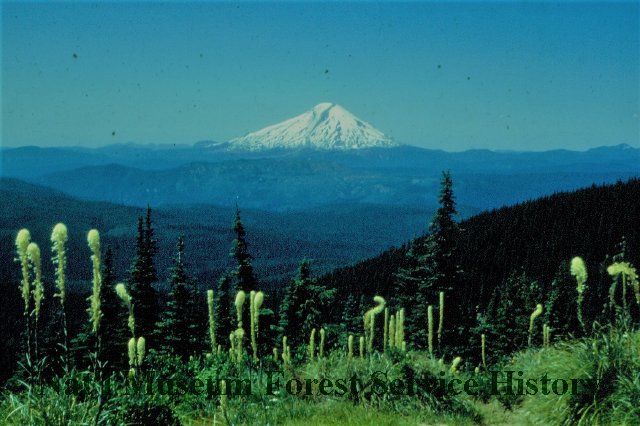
<point>246,280</point>
<point>352,315</point>
<point>304,270</point>
<point>151,247</point>
<point>302,306</point>
<point>431,266</point>
<point>443,222</point>
<point>178,272</point>
<point>445,232</point>
<point>140,238</point>
<point>180,319</point>
<point>223,314</point>
<point>113,329</point>
<point>143,275</point>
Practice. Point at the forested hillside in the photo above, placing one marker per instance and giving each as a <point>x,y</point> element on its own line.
<point>332,235</point>
<point>537,237</point>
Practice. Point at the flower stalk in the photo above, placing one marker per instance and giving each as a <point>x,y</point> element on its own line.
<point>369,321</point>
<point>441,318</point>
<point>321,349</point>
<point>59,237</point>
<point>430,324</point>
<point>23,239</point>
<point>535,314</point>
<point>35,262</point>
<point>579,271</point>
<point>212,324</point>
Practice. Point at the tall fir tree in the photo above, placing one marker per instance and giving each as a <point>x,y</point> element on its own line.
<point>445,233</point>
<point>413,284</point>
<point>143,275</point>
<point>351,319</point>
<point>245,279</point>
<point>151,246</point>
<point>243,275</point>
<point>558,314</point>
<point>180,327</point>
<point>430,267</point>
<point>302,307</point>
<point>114,319</point>
<point>506,319</point>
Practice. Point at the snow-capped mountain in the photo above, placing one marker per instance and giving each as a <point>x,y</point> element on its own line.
<point>327,126</point>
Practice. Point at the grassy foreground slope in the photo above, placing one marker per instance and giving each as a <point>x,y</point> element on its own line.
<point>612,358</point>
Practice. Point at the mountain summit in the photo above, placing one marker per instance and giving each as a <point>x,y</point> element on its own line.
<point>327,126</point>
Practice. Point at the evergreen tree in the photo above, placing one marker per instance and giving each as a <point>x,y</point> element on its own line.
<point>447,274</point>
<point>413,283</point>
<point>113,331</point>
<point>200,325</point>
<point>113,327</point>
<point>430,267</point>
<point>223,314</point>
<point>180,324</point>
<point>506,320</point>
<point>151,248</point>
<point>560,309</point>
<point>243,275</point>
<point>245,279</point>
<point>445,233</point>
<point>143,275</point>
<point>352,315</point>
<point>302,307</point>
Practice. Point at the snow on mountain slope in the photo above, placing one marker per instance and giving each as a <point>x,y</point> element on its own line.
<point>327,126</point>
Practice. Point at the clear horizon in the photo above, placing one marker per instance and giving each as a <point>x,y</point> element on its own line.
<point>190,145</point>
<point>450,76</point>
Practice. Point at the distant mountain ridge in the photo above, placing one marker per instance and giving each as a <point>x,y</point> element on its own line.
<point>26,162</point>
<point>298,179</point>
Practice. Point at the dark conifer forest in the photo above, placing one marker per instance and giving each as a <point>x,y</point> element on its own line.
<point>539,237</point>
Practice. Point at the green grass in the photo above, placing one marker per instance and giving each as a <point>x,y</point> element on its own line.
<point>613,358</point>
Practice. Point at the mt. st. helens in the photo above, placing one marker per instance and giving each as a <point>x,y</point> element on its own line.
<point>327,126</point>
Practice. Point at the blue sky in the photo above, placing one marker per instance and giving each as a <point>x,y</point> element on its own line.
<point>452,76</point>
